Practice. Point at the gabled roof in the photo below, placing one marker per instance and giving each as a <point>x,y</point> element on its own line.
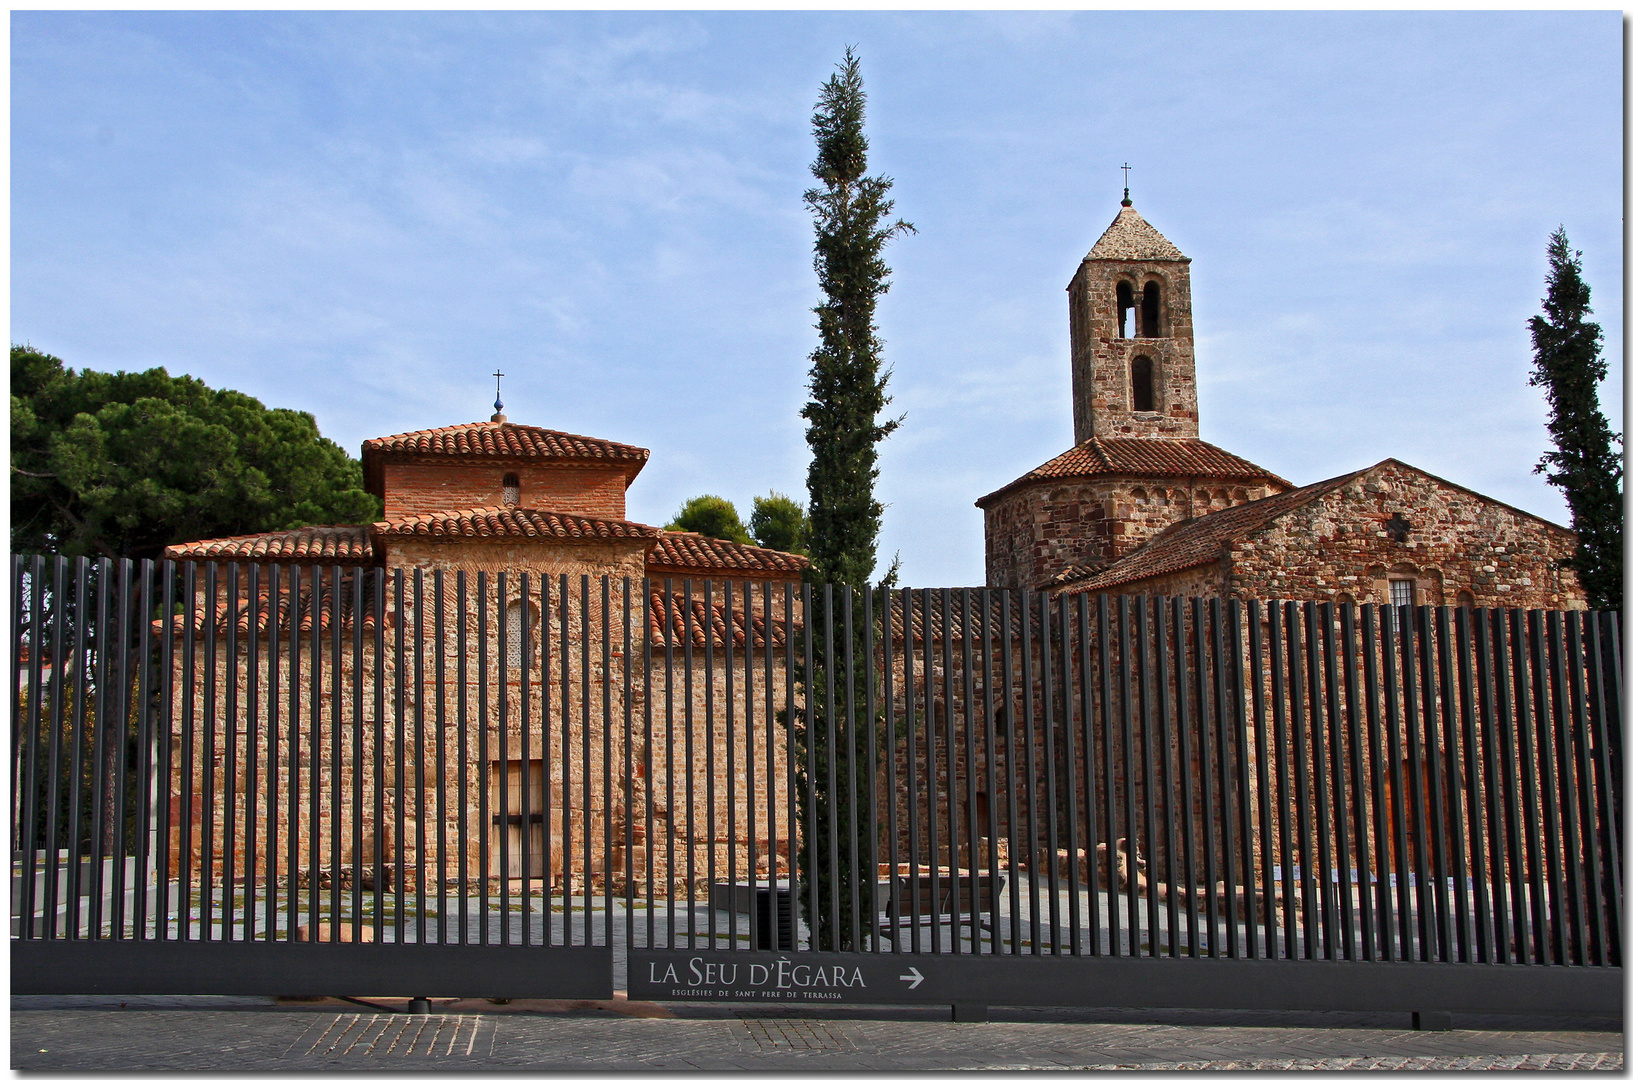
<point>1133,238</point>
<point>708,623</point>
<point>317,544</point>
<point>1197,541</point>
<point>509,522</point>
<point>507,441</point>
<point>1140,458</point>
<point>693,554</point>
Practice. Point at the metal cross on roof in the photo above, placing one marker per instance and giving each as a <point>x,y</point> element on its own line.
<point>1126,201</point>
<point>498,405</point>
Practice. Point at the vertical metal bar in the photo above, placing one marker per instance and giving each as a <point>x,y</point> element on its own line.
<point>1309,885</point>
<point>1244,783</point>
<point>1582,789</point>
<point>1279,650</point>
<point>691,773</point>
<point>648,772</point>
<point>314,757</point>
<point>1468,777</point>
<point>585,797</point>
<point>727,624</point>
<point>1030,722</point>
<point>1046,668</point>
<point>484,760</point>
<point>606,763</point>
<point>462,653</point>
<point>546,773</point>
<point>1125,644</point>
<point>337,727</point>
<point>274,592</point>
<point>210,721</point>
<point>1107,758</point>
<point>1543,892</point>
<point>812,842</point>
<point>950,740</point>
<point>184,903</point>
<point>27,594</point>
<point>1091,811</point>
<point>1207,659</point>
<point>1222,733</point>
<point>871,863</point>
<point>909,686</point>
<point>229,802</point>
<point>750,800</point>
<point>629,783</point>
<point>1261,744</point>
<point>709,771</point>
<point>830,752</point>
<point>1068,727</point>
<point>892,836</point>
<point>1335,747</point>
<point>932,810</point>
<point>851,800</point>
<point>1142,676</point>
<point>399,749</point>
<point>1162,641</point>
<point>1604,687</point>
<point>421,790</point>
<point>60,709</point>
<point>1183,724</point>
<point>252,709</point>
<point>1380,810</point>
<point>669,749</point>
<point>360,578</point>
<point>791,757</point>
<point>1318,756</point>
<point>1497,810</point>
<point>1450,866</point>
<point>1429,943</point>
<point>163,878</point>
<point>118,755</point>
<point>500,769</point>
<point>1573,950</point>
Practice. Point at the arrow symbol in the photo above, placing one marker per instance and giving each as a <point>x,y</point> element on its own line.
<point>913,979</point>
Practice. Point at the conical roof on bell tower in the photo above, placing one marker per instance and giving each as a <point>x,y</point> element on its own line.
<point>1130,237</point>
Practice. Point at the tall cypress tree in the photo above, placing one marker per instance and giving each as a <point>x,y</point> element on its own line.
<point>847,375</point>
<point>847,386</point>
<point>1584,462</point>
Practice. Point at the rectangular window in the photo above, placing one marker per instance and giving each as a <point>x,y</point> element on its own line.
<point>1401,593</point>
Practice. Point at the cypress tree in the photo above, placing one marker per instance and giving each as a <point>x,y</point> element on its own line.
<point>1584,463</point>
<point>847,376</point>
<point>847,386</point>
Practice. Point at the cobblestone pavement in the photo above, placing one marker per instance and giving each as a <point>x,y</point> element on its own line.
<point>265,1034</point>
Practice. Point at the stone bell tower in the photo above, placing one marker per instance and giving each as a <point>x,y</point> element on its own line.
<point>1133,354</point>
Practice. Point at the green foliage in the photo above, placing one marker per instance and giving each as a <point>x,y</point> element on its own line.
<point>123,464</point>
<point>1584,463</point>
<point>779,522</point>
<point>847,386</point>
<point>847,380</point>
<point>712,516</point>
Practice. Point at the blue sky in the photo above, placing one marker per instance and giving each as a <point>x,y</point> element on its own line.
<point>361,215</point>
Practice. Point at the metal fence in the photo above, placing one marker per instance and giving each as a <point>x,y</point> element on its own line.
<point>390,777</point>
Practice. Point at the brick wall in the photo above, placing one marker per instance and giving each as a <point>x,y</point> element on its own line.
<point>429,485</point>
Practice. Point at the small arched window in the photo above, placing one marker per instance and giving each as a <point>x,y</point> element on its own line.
<point>513,489</point>
<point>1125,309</point>
<point>1143,386</point>
<point>1151,311</point>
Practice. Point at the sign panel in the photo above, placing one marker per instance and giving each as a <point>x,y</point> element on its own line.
<point>802,977</point>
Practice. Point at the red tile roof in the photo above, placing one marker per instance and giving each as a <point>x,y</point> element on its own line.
<point>509,522</point>
<point>1195,542</point>
<point>506,440</point>
<point>695,555</point>
<point>708,622</point>
<point>1141,458</point>
<point>317,544</point>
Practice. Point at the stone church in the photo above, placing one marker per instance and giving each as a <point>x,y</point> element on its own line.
<point>1141,504</point>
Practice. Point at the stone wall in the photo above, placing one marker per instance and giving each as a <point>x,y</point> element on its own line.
<point>1101,396</point>
<point>1458,548</point>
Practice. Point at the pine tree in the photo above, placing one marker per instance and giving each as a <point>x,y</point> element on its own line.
<point>847,386</point>
<point>1584,463</point>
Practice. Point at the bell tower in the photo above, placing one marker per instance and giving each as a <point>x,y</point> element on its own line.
<point>1133,354</point>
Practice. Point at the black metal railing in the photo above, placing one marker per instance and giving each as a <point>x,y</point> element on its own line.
<point>239,753</point>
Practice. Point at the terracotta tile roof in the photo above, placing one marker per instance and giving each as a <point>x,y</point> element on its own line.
<point>509,522</point>
<point>709,621</point>
<point>1142,457</point>
<point>1131,237</point>
<point>261,610</point>
<point>317,544</point>
<point>506,440</point>
<point>1195,542</point>
<point>693,554</point>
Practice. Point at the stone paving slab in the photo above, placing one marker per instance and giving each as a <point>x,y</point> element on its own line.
<point>265,1034</point>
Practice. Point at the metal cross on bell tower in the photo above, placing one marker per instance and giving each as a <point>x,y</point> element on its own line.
<point>1126,200</point>
<point>498,404</point>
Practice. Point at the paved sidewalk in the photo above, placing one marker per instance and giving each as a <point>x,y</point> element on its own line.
<point>265,1034</point>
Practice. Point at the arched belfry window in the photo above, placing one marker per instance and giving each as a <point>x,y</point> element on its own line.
<point>1125,309</point>
<point>513,489</point>
<point>1143,385</point>
<point>1151,311</point>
